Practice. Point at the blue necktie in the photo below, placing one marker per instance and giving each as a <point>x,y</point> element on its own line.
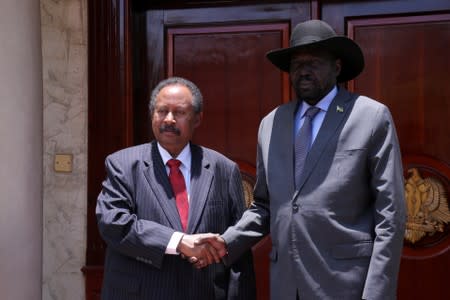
<point>303,143</point>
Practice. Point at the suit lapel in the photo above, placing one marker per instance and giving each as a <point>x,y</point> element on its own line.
<point>201,180</point>
<point>158,180</point>
<point>282,158</point>
<point>337,112</point>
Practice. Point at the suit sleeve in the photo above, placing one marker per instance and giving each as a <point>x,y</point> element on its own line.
<point>387,186</point>
<point>242,278</point>
<point>118,223</point>
<point>255,222</point>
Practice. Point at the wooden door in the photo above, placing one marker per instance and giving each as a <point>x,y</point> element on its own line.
<point>222,50</point>
<point>220,45</point>
<point>407,67</point>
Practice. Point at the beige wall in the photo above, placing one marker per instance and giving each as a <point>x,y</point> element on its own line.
<point>43,112</point>
<point>64,51</point>
<point>20,150</point>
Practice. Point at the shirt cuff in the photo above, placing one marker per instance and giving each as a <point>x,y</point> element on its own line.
<point>173,243</point>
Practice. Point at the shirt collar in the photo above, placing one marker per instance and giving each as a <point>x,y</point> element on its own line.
<point>184,156</point>
<point>323,104</point>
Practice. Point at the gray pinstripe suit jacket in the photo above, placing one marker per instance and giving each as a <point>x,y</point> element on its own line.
<point>339,236</point>
<point>137,215</point>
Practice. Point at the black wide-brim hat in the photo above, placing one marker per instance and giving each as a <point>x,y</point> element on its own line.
<point>316,33</point>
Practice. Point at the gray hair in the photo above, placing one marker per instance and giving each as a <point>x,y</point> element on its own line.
<point>197,98</point>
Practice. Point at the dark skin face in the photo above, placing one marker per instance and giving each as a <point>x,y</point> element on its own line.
<point>174,119</point>
<point>313,74</point>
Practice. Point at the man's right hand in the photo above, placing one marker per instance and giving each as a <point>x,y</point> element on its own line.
<point>201,254</point>
<point>214,241</point>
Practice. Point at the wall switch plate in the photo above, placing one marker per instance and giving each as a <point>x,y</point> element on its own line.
<point>63,163</point>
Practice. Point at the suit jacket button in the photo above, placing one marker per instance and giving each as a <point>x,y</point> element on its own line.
<point>295,207</point>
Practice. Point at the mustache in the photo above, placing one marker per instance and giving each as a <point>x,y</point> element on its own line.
<point>169,128</point>
<point>304,78</point>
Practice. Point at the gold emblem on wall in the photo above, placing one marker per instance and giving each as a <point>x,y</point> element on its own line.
<point>427,206</point>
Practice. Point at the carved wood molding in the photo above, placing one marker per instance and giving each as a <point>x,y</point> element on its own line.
<point>109,91</point>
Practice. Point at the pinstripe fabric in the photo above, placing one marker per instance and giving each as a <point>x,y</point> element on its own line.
<point>137,215</point>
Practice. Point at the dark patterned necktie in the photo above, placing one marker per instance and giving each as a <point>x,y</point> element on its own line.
<point>303,143</point>
<point>179,189</point>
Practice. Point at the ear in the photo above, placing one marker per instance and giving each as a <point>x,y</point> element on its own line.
<point>198,119</point>
<point>338,66</point>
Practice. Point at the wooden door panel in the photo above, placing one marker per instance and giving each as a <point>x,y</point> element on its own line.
<point>222,50</point>
<point>238,84</point>
<point>406,66</point>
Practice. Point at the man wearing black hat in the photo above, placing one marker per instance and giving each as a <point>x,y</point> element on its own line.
<point>329,184</point>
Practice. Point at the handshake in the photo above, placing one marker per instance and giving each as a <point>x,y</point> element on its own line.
<point>202,249</point>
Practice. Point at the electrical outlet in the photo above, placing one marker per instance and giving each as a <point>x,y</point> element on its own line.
<point>63,163</point>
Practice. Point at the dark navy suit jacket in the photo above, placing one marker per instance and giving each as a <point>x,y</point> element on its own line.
<point>137,215</point>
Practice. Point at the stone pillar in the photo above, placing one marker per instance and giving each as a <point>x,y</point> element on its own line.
<point>20,150</point>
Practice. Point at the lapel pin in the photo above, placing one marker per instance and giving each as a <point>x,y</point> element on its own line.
<point>339,109</point>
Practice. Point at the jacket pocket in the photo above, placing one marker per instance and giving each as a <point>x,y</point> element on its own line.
<point>349,152</point>
<point>353,250</point>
